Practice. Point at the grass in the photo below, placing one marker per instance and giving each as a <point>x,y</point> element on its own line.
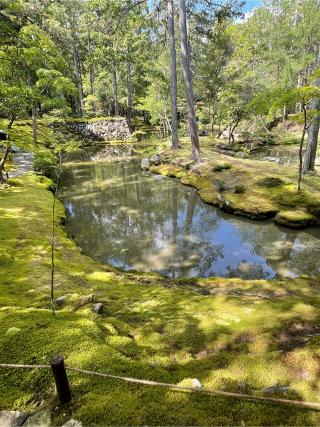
<point>152,328</point>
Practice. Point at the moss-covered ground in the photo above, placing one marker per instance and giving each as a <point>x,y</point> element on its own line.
<point>255,337</point>
<point>252,188</point>
<point>241,336</point>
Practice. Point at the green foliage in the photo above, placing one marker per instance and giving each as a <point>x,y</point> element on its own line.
<point>46,162</point>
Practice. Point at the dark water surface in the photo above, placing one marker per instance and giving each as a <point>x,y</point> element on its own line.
<point>138,220</point>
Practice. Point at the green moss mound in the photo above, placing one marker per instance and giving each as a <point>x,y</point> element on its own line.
<point>217,167</point>
<point>270,181</point>
<point>296,219</point>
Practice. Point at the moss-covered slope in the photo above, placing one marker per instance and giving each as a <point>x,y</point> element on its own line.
<point>240,336</point>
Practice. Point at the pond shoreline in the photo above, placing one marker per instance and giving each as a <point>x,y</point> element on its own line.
<point>93,191</point>
<point>229,184</point>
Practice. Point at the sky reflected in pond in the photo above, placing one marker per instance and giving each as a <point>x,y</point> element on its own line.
<point>137,220</point>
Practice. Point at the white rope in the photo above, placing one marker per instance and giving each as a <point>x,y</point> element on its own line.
<point>311,405</point>
<point>11,365</point>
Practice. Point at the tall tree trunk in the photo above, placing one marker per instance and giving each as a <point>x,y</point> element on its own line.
<point>91,72</point>
<point>115,89</point>
<point>34,125</point>
<point>91,80</point>
<point>313,133</point>
<point>79,78</point>
<point>193,126</point>
<point>173,76</point>
<point>129,85</point>
<point>305,126</point>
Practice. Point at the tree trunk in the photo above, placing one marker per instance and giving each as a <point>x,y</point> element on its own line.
<point>193,126</point>
<point>34,125</point>
<point>232,128</point>
<point>115,89</point>
<point>91,80</point>
<point>313,133</point>
<point>129,86</point>
<point>79,78</point>
<point>12,119</point>
<point>305,125</point>
<point>3,161</point>
<point>173,76</point>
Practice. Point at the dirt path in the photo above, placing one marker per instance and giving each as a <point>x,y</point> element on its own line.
<point>23,163</point>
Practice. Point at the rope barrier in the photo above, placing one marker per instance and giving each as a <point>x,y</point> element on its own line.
<point>11,365</point>
<point>299,403</point>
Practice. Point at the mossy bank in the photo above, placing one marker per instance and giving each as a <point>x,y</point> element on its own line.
<point>256,337</point>
<point>255,189</point>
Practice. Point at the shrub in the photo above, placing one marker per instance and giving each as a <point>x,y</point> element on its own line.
<point>221,166</point>
<point>269,181</point>
<point>46,163</point>
<point>239,189</point>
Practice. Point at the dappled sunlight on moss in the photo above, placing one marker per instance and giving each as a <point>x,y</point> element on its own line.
<point>100,276</point>
<point>242,336</point>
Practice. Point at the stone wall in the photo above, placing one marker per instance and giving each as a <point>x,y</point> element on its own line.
<point>107,130</point>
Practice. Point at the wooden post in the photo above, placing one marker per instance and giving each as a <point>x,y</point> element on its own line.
<point>61,379</point>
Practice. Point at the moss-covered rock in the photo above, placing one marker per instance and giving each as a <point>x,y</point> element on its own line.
<point>295,219</point>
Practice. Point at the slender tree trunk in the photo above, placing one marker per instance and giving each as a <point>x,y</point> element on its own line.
<point>79,78</point>
<point>34,125</point>
<point>173,76</point>
<point>3,161</point>
<point>92,91</point>
<point>313,134</point>
<point>193,126</point>
<point>12,119</point>
<point>232,128</point>
<point>91,80</point>
<point>115,89</point>
<point>129,85</point>
<point>305,126</point>
<point>284,116</point>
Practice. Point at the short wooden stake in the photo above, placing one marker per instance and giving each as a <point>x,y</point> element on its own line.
<point>61,379</point>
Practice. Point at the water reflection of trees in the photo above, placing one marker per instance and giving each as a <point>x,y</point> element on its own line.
<point>136,220</point>
<point>288,252</point>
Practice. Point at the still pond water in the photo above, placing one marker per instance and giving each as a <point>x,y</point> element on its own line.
<point>137,220</point>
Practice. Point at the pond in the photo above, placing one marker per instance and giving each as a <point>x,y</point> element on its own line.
<point>131,219</point>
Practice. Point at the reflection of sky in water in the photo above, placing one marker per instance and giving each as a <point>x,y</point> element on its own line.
<point>150,223</point>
